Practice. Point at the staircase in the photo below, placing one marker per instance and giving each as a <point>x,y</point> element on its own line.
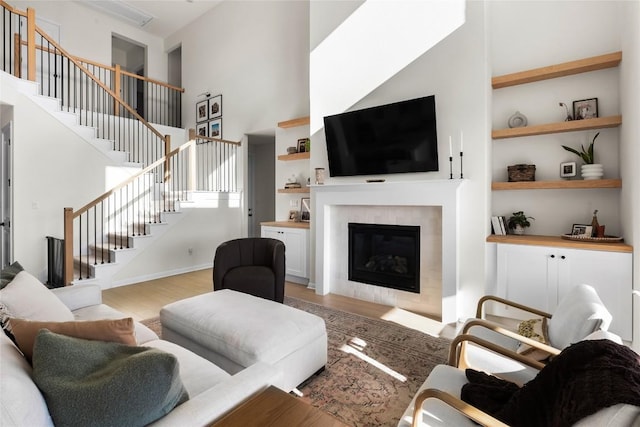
<point>120,246</point>
<point>155,183</point>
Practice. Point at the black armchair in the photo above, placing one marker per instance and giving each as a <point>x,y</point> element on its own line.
<point>251,265</point>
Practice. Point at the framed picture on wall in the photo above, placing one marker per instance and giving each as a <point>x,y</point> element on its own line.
<point>202,129</point>
<point>215,128</point>
<point>215,107</point>
<point>202,113</point>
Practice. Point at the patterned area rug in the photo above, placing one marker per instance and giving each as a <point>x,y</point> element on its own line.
<point>374,366</point>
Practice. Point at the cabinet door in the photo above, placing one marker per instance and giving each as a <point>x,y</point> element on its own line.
<point>527,275</point>
<point>296,247</point>
<point>610,275</point>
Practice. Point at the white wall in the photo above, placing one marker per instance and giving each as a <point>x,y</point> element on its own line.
<point>455,70</point>
<point>86,33</point>
<point>517,27</point>
<point>630,150</point>
<point>53,168</point>
<point>256,55</point>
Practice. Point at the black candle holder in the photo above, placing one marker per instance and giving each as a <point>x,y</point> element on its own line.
<point>450,167</point>
<point>461,165</point>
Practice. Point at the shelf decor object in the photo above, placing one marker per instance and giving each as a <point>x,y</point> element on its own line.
<point>518,173</point>
<point>584,238</point>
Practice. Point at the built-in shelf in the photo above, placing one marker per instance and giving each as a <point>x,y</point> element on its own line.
<point>301,121</point>
<point>294,156</point>
<point>558,241</point>
<point>294,190</point>
<point>287,224</point>
<point>564,185</point>
<point>594,63</point>
<point>559,127</point>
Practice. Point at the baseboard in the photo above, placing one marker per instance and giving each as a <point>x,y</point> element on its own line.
<point>160,275</point>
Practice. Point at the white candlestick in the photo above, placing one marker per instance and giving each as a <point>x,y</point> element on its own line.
<point>450,147</point>
<point>461,150</point>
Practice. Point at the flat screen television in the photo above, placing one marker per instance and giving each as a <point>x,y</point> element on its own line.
<point>394,138</point>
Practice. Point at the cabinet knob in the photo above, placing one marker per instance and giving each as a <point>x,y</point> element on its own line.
<point>553,256</point>
<point>563,257</point>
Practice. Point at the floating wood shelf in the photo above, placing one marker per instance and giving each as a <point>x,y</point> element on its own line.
<point>301,121</point>
<point>294,190</point>
<point>594,63</point>
<point>557,241</point>
<point>570,126</point>
<point>563,185</point>
<point>295,156</point>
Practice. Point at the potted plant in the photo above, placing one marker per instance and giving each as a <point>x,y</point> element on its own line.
<point>590,169</point>
<point>518,222</point>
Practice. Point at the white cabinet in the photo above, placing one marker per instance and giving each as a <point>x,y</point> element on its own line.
<point>296,241</point>
<point>539,276</point>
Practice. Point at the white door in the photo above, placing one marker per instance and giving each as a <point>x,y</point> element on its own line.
<point>6,246</point>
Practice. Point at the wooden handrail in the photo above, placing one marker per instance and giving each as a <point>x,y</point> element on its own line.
<point>110,68</point>
<point>12,9</point>
<point>148,169</point>
<point>126,106</point>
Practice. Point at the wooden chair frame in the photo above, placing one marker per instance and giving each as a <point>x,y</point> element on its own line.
<point>455,357</point>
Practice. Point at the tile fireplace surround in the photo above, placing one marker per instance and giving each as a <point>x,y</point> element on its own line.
<point>431,204</point>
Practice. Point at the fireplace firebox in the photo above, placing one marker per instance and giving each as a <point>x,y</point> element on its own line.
<point>385,255</point>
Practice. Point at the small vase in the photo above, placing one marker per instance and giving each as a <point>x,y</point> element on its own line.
<point>594,171</point>
<point>518,230</point>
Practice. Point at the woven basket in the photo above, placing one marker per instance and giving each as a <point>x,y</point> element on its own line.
<point>521,173</point>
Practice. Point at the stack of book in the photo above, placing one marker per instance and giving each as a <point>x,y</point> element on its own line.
<point>499,225</point>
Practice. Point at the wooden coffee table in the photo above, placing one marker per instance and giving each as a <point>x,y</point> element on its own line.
<point>274,407</point>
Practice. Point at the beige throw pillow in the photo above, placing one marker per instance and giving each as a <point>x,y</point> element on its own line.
<point>113,330</point>
<point>536,329</point>
<point>26,297</point>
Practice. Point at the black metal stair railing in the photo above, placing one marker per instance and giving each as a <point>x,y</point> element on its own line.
<point>110,222</point>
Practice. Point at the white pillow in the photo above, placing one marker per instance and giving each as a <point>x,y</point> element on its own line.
<point>27,298</point>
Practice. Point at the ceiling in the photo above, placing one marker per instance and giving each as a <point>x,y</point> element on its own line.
<point>168,16</point>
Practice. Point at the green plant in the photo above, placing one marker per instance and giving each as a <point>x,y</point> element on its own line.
<point>586,155</point>
<point>519,218</point>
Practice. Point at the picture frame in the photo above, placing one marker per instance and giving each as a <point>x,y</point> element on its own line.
<point>302,145</point>
<point>215,107</point>
<point>215,128</point>
<point>581,230</point>
<point>568,169</point>
<point>293,215</point>
<point>202,111</point>
<point>202,129</point>
<point>585,109</point>
<point>305,209</point>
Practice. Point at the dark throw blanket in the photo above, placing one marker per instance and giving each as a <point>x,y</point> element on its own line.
<point>581,380</point>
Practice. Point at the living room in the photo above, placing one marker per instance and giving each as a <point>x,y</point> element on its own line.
<point>275,71</point>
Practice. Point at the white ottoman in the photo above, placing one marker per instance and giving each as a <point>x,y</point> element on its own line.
<point>235,330</point>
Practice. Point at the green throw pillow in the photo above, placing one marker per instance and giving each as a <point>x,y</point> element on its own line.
<point>103,383</point>
<point>8,273</point>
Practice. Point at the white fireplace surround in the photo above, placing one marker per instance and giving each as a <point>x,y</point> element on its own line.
<point>329,199</point>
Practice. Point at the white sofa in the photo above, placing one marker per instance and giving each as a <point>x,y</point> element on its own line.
<point>212,391</point>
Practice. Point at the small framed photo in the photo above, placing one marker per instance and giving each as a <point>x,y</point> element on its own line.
<point>568,169</point>
<point>215,128</point>
<point>585,109</point>
<point>293,215</point>
<point>202,129</point>
<point>215,107</point>
<point>202,115</point>
<point>581,230</point>
<point>302,145</point>
<point>305,209</point>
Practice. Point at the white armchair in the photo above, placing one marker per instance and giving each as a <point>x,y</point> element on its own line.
<point>438,402</point>
<point>579,313</point>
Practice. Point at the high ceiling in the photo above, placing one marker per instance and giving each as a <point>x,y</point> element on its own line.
<point>167,16</point>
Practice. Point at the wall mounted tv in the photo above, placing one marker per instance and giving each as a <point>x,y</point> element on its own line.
<point>394,138</point>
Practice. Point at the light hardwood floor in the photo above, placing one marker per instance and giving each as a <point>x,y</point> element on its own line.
<point>144,300</point>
